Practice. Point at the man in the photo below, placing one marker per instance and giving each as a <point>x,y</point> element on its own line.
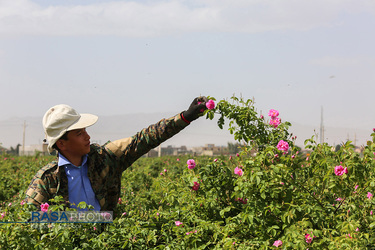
<point>90,172</point>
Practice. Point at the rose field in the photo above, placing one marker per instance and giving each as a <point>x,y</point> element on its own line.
<point>268,196</point>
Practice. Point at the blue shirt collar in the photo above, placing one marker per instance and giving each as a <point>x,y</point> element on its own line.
<point>63,161</point>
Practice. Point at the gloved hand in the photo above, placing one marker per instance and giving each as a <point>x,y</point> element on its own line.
<point>196,108</point>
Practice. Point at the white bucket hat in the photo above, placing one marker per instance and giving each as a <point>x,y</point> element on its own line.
<point>62,118</point>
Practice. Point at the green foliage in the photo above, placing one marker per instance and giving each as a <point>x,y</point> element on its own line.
<point>246,124</point>
<point>280,196</point>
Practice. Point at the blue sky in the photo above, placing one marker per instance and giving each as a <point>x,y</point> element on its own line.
<point>123,57</point>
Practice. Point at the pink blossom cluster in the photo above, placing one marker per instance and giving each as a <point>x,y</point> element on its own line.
<point>277,243</point>
<point>165,171</point>
<point>191,232</point>
<point>275,121</point>
<point>238,171</point>
<point>282,146</point>
<point>44,207</point>
<point>242,200</point>
<point>2,215</point>
<point>191,164</point>
<point>195,186</point>
<point>340,170</point>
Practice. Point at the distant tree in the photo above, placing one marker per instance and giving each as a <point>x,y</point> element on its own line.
<point>234,148</point>
<point>15,151</point>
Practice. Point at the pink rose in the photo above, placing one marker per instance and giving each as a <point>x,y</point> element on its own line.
<point>275,122</point>
<point>238,171</point>
<point>195,186</point>
<point>356,187</point>
<point>345,170</point>
<point>44,207</point>
<point>369,195</point>
<point>277,243</point>
<point>273,113</point>
<point>178,223</point>
<point>190,163</point>
<point>308,238</point>
<point>339,170</point>
<point>283,146</point>
<point>210,104</point>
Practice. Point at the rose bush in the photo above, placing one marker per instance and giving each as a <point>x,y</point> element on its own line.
<point>285,198</point>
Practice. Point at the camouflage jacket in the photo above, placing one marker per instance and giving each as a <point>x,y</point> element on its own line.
<point>105,165</point>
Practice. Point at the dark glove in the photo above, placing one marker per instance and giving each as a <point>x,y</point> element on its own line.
<point>196,108</point>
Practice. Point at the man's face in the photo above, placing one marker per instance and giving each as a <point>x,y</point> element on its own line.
<point>77,144</point>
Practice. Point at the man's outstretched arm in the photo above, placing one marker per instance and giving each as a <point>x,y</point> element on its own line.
<point>130,149</point>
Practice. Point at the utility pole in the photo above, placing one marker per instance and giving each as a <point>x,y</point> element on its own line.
<point>23,139</point>
<point>321,127</point>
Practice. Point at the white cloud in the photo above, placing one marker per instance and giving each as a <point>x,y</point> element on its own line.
<point>153,18</point>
